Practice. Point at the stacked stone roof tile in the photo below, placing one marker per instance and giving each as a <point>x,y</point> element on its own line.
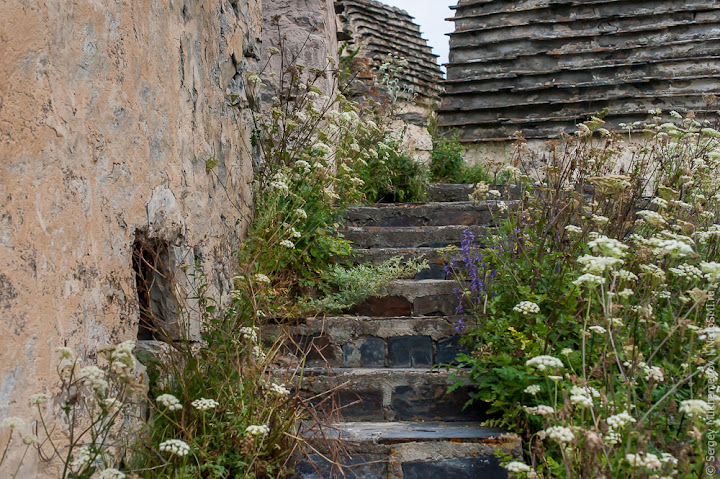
<point>542,66</point>
<point>379,30</point>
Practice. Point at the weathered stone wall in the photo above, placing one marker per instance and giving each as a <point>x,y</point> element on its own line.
<point>109,110</point>
<point>307,31</point>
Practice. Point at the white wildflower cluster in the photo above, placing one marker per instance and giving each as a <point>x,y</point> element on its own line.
<point>279,389</point>
<point>175,446</point>
<point>659,202</point>
<point>653,218</point>
<point>652,373</point>
<point>258,353</point>
<point>625,275</point>
<point>527,307</point>
<point>583,396</point>
<point>600,220</point>
<point>559,434</point>
<point>654,271</point>
<point>39,399</point>
<point>589,279</point>
<point>80,457</point>
<point>249,333</point>
<point>123,360</point>
<point>598,329</point>
<point>532,389</point>
<point>301,213</point>
<point>279,183</point>
<point>12,422</point>
<point>203,404</point>
<point>493,193</point>
<point>670,247</point>
<point>94,378</point>
<point>713,232</point>
<point>688,271</point>
<point>711,335</point>
<point>612,438</point>
<point>608,247</point>
<point>111,473</point>
<point>647,460</point>
<point>540,410</point>
<point>287,244</point>
<point>544,363</point>
<point>619,421</point>
<point>711,270</point>
<point>262,278</point>
<point>262,430</point>
<point>573,229</point>
<point>322,148</point>
<point>517,467</point>
<point>169,401</point>
<point>597,265</point>
<point>695,407</point>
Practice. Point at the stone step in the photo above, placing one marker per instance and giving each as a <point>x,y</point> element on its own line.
<point>414,450</point>
<point>424,214</point>
<point>407,297</point>
<point>449,192</point>
<point>434,257</point>
<point>364,342</point>
<point>386,394</point>
<point>410,236</point>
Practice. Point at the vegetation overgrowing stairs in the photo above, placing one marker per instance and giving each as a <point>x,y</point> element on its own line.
<point>397,419</point>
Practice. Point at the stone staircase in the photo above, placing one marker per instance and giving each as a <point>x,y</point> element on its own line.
<point>397,421</point>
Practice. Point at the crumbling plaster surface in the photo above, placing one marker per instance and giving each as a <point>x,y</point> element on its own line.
<point>109,110</point>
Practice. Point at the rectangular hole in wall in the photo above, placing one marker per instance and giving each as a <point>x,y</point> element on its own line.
<point>156,299</point>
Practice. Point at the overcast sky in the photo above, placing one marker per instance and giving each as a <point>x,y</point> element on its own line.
<point>431,15</point>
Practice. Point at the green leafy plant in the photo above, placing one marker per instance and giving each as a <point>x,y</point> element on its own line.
<point>590,312</point>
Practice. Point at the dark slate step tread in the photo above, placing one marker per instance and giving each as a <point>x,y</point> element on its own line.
<point>387,394</point>
<point>410,236</point>
<point>365,342</point>
<point>450,192</point>
<point>435,258</point>
<point>407,297</point>
<point>424,214</point>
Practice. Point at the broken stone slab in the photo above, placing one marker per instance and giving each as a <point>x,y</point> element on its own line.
<point>410,236</point>
<point>413,298</point>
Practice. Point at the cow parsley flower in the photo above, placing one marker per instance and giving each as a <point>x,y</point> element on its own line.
<point>654,373</point>
<point>608,246</point>
<point>619,421</point>
<point>262,430</point>
<point>169,401</point>
<point>94,378</point>
<point>203,404</point>
<point>544,363</point>
<point>540,410</point>
<point>533,389</point>
<point>598,329</point>
<point>558,434</point>
<point>111,473</point>
<point>688,271</point>
<point>301,213</point>
<point>13,422</point>
<point>600,220</point>
<point>517,467</point>
<point>527,307</point>
<point>573,229</point>
<point>279,389</point>
<point>652,217</point>
<point>287,244</point>
<point>175,446</point>
<point>39,399</point>
<point>648,460</point>
<point>711,270</point>
<point>249,332</point>
<point>589,279</point>
<point>262,278</point>
<point>80,457</point>
<point>695,407</point>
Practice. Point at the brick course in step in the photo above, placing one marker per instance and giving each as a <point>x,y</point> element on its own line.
<point>380,360</point>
